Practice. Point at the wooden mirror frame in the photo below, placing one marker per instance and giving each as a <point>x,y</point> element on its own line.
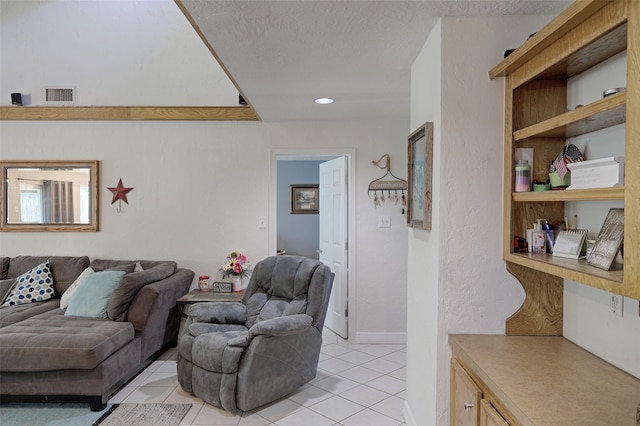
<point>420,170</point>
<point>92,226</point>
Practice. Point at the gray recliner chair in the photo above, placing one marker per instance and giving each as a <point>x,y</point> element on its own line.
<point>241,355</point>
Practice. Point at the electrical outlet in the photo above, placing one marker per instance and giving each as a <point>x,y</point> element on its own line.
<point>384,221</point>
<point>615,304</point>
<point>262,222</point>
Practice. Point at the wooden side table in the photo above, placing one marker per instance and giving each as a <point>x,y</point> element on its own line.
<point>195,296</point>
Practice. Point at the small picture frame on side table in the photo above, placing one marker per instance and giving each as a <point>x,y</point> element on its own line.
<point>305,199</point>
<point>420,169</point>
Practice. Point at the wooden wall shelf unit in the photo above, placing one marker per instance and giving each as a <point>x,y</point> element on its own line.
<point>536,116</point>
<point>533,375</point>
<point>126,113</point>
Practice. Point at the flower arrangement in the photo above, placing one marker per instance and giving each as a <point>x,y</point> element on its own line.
<point>235,264</point>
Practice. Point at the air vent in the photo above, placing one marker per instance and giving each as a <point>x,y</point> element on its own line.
<point>59,95</point>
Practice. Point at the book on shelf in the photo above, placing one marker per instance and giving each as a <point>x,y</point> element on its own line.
<point>571,244</point>
<point>609,240</point>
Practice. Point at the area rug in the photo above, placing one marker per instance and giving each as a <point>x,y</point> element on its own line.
<point>144,414</point>
<point>72,414</point>
<point>48,414</point>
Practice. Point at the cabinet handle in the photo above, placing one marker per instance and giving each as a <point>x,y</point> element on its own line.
<point>468,405</point>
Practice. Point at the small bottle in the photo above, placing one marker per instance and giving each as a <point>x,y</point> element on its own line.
<point>523,176</point>
<point>539,240</point>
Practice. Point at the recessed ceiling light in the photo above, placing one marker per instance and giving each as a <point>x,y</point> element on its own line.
<point>324,101</point>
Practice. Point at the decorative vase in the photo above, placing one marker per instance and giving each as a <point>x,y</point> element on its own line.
<point>237,283</point>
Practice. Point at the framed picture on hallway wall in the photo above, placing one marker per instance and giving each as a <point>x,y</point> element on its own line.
<point>420,170</point>
<point>304,199</point>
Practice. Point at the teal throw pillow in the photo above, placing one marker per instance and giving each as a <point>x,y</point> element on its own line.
<point>35,285</point>
<point>91,298</point>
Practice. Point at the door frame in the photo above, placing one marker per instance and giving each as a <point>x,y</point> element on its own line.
<point>309,154</point>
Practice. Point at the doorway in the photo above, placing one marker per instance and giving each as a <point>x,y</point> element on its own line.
<point>284,165</point>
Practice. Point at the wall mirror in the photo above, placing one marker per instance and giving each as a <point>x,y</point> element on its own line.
<point>49,196</point>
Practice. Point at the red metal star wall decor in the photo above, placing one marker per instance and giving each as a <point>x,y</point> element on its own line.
<point>119,192</point>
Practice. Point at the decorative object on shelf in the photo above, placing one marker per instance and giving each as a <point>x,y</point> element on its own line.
<point>559,183</point>
<point>204,283</point>
<point>119,194</point>
<point>387,185</point>
<point>569,154</point>
<point>571,244</point>
<point>236,266</point>
<point>613,91</point>
<point>523,176</point>
<point>237,283</point>
<point>305,199</point>
<point>420,177</point>
<point>222,287</point>
<point>600,173</point>
<point>541,186</point>
<point>609,240</point>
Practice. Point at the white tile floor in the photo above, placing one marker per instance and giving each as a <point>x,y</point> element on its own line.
<point>356,385</point>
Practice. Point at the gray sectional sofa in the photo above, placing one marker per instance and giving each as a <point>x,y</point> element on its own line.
<point>48,353</point>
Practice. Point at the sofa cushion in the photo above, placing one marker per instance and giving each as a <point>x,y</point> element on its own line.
<point>13,314</point>
<point>35,285</point>
<point>92,295</point>
<point>52,341</point>
<point>65,269</point>
<point>130,284</point>
<point>66,297</point>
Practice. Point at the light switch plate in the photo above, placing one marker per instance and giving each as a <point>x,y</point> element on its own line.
<point>384,221</point>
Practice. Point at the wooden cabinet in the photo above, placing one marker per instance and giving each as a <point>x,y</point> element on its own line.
<point>465,397</point>
<point>537,380</point>
<point>468,405</point>
<point>536,74</point>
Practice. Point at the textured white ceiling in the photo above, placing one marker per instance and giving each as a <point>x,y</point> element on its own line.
<point>283,54</point>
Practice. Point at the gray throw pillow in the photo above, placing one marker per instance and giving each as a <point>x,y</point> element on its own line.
<point>5,286</point>
<point>130,285</point>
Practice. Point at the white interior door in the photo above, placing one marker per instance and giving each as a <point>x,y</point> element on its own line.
<point>333,239</point>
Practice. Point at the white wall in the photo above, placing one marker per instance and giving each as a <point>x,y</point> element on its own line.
<point>587,319</point>
<point>456,275</point>
<point>424,250</point>
<point>134,52</point>
<point>199,187</point>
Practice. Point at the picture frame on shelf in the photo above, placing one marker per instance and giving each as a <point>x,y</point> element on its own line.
<point>420,170</point>
<point>305,199</point>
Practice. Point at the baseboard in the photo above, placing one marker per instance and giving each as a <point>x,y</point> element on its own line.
<point>381,338</point>
<point>408,415</point>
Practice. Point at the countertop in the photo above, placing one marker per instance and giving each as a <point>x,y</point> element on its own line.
<point>548,380</point>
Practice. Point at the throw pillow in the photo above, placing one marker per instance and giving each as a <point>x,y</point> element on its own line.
<point>5,286</point>
<point>35,285</point>
<point>128,268</point>
<point>66,296</point>
<point>92,295</point>
<point>130,285</point>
